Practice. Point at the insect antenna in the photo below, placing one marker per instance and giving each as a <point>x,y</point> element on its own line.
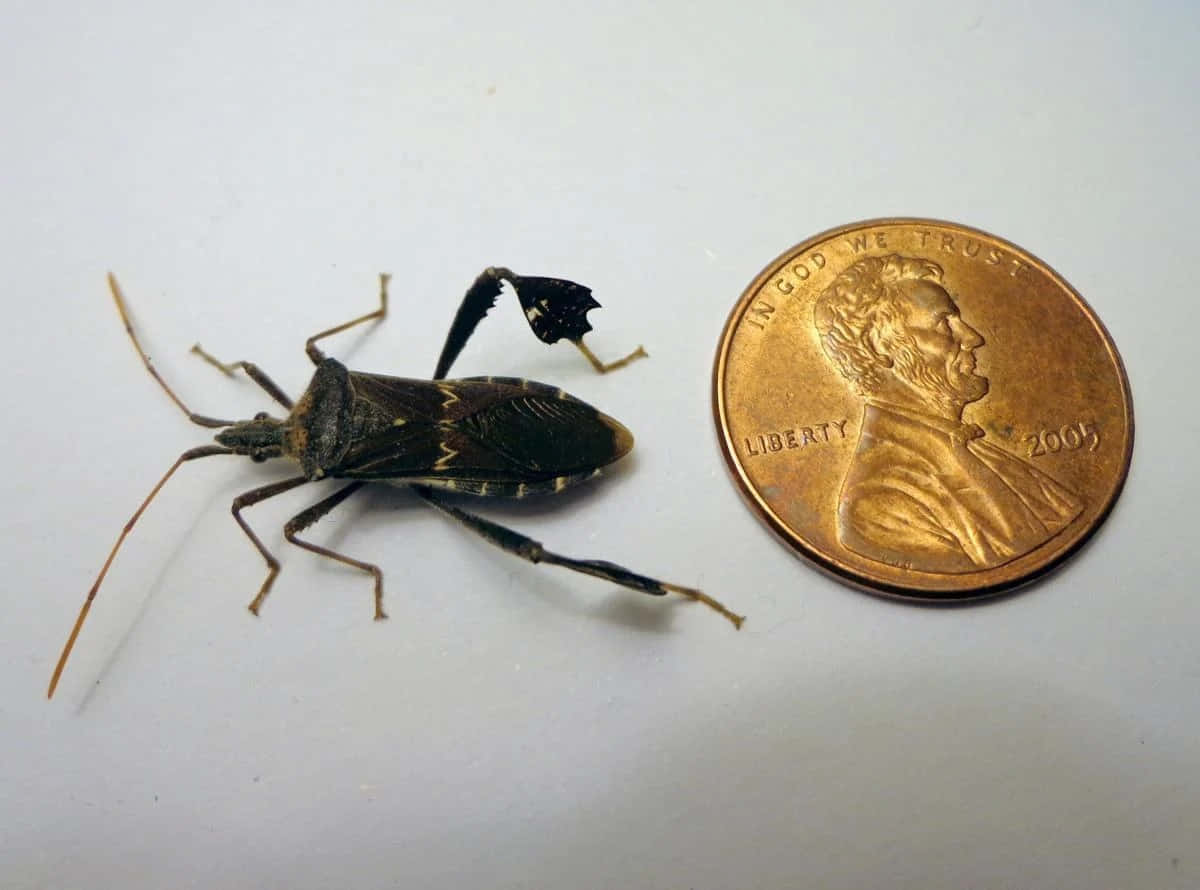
<point>191,454</point>
<point>200,419</point>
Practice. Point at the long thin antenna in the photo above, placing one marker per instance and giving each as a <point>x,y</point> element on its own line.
<point>192,454</point>
<point>200,419</point>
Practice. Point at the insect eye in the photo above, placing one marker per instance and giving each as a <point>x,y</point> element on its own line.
<point>261,415</point>
<point>258,457</point>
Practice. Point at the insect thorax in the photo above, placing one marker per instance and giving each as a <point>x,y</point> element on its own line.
<point>327,420</point>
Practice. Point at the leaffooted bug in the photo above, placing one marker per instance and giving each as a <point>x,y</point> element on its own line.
<point>501,437</point>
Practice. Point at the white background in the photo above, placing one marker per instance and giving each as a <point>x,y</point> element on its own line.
<point>248,171</point>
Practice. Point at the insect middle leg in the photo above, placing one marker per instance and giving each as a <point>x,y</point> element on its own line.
<point>533,551</point>
<point>248,499</point>
<point>310,345</point>
<point>301,521</point>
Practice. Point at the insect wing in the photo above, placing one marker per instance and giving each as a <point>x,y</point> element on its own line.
<point>545,435</point>
<point>477,432</point>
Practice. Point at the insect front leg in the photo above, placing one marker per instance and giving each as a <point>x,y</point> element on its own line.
<point>253,371</point>
<point>554,307</point>
<point>301,521</point>
<point>248,499</point>
<point>533,551</point>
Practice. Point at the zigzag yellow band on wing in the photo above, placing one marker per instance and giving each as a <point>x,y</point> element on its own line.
<point>450,394</point>
<point>448,454</point>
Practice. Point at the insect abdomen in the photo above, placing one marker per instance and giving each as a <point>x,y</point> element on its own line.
<point>504,488</point>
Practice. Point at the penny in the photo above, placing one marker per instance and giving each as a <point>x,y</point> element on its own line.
<point>923,409</point>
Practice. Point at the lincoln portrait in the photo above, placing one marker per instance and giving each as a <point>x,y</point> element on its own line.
<point>924,490</point>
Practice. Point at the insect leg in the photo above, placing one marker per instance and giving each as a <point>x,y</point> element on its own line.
<point>479,298</point>
<point>554,307</point>
<point>253,371</point>
<point>303,520</point>
<point>200,419</point>
<point>529,549</point>
<point>605,367</point>
<point>248,499</point>
<point>191,454</point>
<point>310,346</point>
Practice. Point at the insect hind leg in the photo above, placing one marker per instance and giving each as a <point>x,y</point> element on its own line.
<point>605,367</point>
<point>528,549</point>
<point>555,309</point>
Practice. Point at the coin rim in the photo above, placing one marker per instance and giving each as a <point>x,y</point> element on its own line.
<point>831,565</point>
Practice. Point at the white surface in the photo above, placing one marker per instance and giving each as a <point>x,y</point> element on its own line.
<point>247,172</point>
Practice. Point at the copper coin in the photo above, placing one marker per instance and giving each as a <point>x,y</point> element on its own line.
<point>922,408</point>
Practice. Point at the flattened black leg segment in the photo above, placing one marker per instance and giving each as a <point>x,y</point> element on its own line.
<point>531,550</point>
<point>479,298</point>
<point>301,521</point>
<point>554,307</point>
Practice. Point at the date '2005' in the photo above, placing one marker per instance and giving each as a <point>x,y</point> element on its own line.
<point>1070,437</point>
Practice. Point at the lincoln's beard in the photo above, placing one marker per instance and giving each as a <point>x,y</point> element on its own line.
<point>949,385</point>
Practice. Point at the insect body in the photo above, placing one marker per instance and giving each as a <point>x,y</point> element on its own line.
<point>484,436</point>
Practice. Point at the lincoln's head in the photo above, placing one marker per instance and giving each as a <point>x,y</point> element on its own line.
<point>896,335</point>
